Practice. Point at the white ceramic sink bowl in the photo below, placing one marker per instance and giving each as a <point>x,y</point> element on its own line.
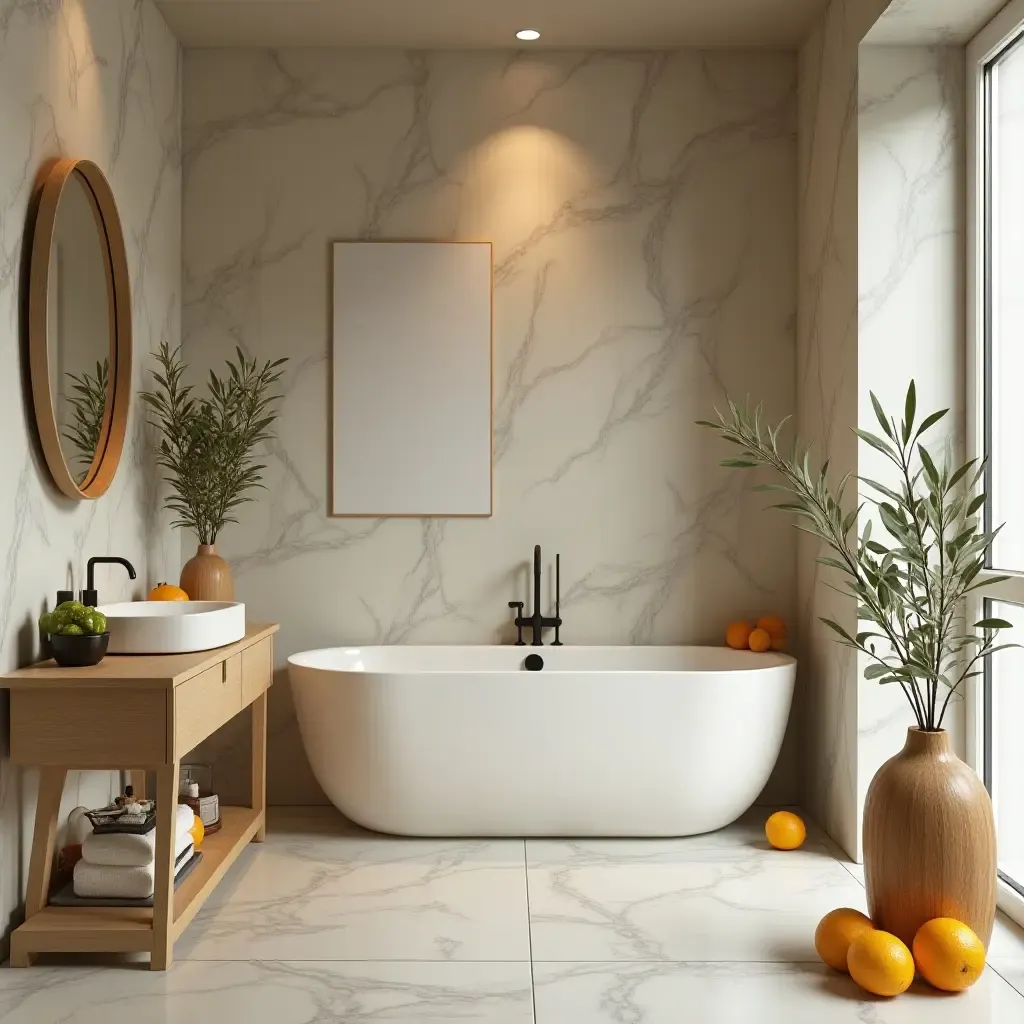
<point>172,627</point>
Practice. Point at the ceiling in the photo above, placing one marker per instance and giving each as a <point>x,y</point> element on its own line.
<point>932,21</point>
<point>492,24</point>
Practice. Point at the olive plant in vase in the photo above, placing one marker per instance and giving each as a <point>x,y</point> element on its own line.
<point>207,451</point>
<point>910,566</point>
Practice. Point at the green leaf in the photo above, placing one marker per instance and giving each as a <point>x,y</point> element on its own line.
<point>738,464</point>
<point>880,416</point>
<point>875,442</point>
<point>909,412</point>
<point>930,421</point>
<point>876,671</point>
<point>993,624</point>
<point>833,625</point>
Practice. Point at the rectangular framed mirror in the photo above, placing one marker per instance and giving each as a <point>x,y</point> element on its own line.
<point>412,379</point>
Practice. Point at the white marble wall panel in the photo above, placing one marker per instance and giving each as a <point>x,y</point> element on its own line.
<point>97,79</point>
<point>912,167</point>
<point>642,209</point>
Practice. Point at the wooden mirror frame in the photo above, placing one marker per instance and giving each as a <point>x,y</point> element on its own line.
<point>119,378</point>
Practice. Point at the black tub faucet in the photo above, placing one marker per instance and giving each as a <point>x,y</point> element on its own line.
<point>537,622</point>
<point>89,595</point>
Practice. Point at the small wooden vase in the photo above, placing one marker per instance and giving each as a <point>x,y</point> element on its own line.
<point>207,577</point>
<point>929,841</point>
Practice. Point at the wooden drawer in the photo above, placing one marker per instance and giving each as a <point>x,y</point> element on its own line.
<point>205,702</point>
<point>257,670</point>
<point>89,728</point>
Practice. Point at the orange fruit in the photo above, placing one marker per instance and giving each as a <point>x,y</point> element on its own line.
<point>948,954</point>
<point>775,627</point>
<point>737,635</point>
<point>167,592</point>
<point>880,963</point>
<point>836,931</point>
<point>785,830</point>
<point>197,831</point>
<point>759,641</point>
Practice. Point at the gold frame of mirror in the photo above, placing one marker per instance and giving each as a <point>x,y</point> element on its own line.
<point>107,455</point>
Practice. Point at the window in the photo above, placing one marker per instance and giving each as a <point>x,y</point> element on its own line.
<point>996,423</point>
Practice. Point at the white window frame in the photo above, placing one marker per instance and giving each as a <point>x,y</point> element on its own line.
<point>988,44</point>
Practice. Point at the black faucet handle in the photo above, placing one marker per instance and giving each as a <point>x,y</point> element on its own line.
<point>520,642</point>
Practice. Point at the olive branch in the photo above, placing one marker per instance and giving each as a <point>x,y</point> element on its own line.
<point>911,580</point>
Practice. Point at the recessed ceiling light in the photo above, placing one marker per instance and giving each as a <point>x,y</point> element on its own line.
<point>528,34</point>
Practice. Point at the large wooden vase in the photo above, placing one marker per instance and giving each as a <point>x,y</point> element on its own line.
<point>207,577</point>
<point>929,841</point>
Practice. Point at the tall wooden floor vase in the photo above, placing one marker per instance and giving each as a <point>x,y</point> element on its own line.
<point>929,841</point>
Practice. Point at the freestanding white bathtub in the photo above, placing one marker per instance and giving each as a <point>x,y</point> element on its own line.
<point>603,741</point>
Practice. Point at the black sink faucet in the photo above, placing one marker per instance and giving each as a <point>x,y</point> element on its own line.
<point>89,595</point>
<point>537,622</point>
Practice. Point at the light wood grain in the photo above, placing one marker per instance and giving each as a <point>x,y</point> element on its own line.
<point>929,841</point>
<point>138,670</point>
<point>125,728</point>
<point>257,670</point>
<point>83,930</point>
<point>259,761</point>
<point>207,577</point>
<point>163,893</point>
<point>220,851</point>
<point>51,184</point>
<point>205,702</point>
<point>114,720</point>
<point>138,776</point>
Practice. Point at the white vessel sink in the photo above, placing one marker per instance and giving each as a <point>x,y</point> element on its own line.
<point>172,627</point>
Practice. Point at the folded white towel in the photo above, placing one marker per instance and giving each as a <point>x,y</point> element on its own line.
<point>122,849</point>
<point>131,883</point>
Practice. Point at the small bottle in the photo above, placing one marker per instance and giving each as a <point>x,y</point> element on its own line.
<point>190,796</point>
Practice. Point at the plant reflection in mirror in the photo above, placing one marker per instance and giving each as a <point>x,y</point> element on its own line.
<point>87,398</point>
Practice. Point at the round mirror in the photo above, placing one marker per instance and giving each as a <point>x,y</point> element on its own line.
<point>79,328</point>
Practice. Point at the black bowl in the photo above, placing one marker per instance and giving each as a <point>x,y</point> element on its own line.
<point>76,651</point>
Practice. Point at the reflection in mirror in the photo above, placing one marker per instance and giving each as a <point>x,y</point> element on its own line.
<point>78,326</point>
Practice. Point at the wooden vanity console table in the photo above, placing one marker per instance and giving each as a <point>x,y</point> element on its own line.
<point>140,714</point>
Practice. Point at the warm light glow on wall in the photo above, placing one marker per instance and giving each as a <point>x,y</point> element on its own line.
<point>518,179</point>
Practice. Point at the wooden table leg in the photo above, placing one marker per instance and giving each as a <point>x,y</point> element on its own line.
<point>138,777</point>
<point>51,788</point>
<point>163,896</point>
<point>259,762</point>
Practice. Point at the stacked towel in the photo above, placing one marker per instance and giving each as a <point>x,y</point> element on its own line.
<point>123,866</point>
<point>125,850</point>
<point>131,883</point>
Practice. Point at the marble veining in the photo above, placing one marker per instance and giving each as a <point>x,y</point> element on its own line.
<point>99,79</point>
<point>642,214</point>
<point>327,922</point>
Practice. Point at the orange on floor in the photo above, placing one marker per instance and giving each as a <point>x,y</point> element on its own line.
<point>880,963</point>
<point>948,954</point>
<point>785,830</point>
<point>836,930</point>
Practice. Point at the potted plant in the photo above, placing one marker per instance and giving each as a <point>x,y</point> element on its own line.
<point>207,451</point>
<point>929,836</point>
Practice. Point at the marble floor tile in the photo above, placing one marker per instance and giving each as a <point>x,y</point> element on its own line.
<point>751,993</point>
<point>703,899</point>
<point>267,992</point>
<point>331,891</point>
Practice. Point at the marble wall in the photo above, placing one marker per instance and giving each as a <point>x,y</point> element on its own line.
<point>827,391</point>
<point>97,79</point>
<point>912,166</point>
<point>880,300</point>
<point>643,212</point>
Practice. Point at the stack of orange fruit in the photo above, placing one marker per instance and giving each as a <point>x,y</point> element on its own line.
<point>946,953</point>
<point>768,633</point>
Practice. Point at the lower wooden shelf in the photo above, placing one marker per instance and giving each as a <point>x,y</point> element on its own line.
<point>130,929</point>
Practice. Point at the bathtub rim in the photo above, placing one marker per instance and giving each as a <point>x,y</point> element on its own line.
<point>766,661</point>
